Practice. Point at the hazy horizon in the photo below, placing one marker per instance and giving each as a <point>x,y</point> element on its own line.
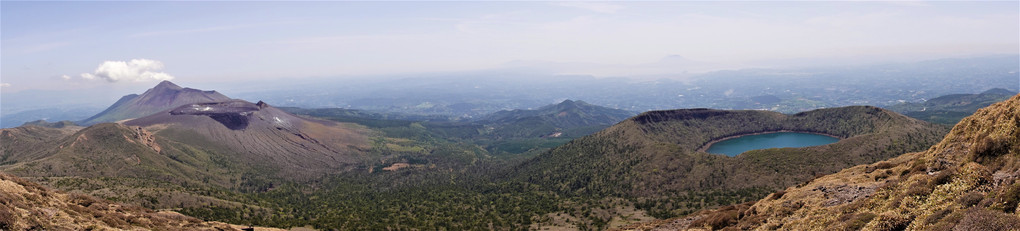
<point>79,45</point>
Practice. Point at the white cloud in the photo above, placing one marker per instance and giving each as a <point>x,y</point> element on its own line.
<point>65,77</point>
<point>599,7</point>
<point>5,84</point>
<point>136,70</point>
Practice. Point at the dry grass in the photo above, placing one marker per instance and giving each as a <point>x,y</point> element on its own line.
<point>26,206</point>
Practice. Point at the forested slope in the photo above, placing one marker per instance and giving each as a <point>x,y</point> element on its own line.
<point>652,158</point>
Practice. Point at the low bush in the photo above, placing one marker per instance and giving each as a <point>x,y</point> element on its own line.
<point>858,221</point>
<point>987,148</point>
<point>919,189</point>
<point>970,199</point>
<point>7,218</point>
<point>985,219</point>
<point>890,222</point>
<point>938,215</point>
<point>1010,198</point>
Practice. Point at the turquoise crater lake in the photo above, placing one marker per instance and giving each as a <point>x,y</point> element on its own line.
<point>735,146</point>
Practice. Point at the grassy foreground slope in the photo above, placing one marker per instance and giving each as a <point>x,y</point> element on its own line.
<point>27,206</point>
<point>968,181</point>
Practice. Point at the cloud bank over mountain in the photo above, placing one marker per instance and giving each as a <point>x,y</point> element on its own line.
<point>136,70</point>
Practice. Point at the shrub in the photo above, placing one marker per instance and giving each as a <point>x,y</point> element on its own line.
<point>889,222</point>
<point>970,199</point>
<point>943,177</point>
<point>919,189</point>
<point>7,218</point>
<point>717,220</point>
<point>723,217</point>
<point>81,199</point>
<point>949,221</point>
<point>882,175</point>
<point>917,166</point>
<point>938,215</point>
<point>880,165</point>
<point>986,148</point>
<point>1010,198</point>
<point>113,220</point>
<point>777,195</point>
<point>985,219</point>
<point>857,221</point>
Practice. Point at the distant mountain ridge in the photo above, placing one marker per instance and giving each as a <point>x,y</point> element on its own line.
<point>163,96</point>
<point>565,117</point>
<point>949,109</point>
<point>566,113</point>
<point>43,123</point>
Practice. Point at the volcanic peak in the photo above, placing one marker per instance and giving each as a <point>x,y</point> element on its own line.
<point>233,114</point>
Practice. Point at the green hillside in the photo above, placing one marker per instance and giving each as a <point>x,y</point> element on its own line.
<point>503,132</point>
<point>128,164</point>
<point>565,119</point>
<point>651,159</point>
<point>950,109</point>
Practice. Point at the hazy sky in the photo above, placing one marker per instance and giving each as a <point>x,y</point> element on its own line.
<point>66,45</point>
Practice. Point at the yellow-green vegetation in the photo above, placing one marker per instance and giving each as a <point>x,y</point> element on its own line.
<point>968,181</point>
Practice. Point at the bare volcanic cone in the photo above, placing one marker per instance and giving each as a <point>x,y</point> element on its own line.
<point>263,136</point>
<point>165,95</point>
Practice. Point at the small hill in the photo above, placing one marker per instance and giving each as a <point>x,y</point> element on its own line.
<point>77,113</point>
<point>164,96</point>
<point>27,206</point>
<point>968,181</point>
<point>29,142</point>
<point>176,165</point>
<point>653,158</point>
<point>44,123</point>
<point>950,109</point>
<point>568,118</point>
<point>110,150</point>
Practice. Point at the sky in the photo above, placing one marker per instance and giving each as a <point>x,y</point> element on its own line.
<point>76,45</point>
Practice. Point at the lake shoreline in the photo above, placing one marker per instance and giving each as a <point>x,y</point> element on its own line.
<point>704,147</point>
